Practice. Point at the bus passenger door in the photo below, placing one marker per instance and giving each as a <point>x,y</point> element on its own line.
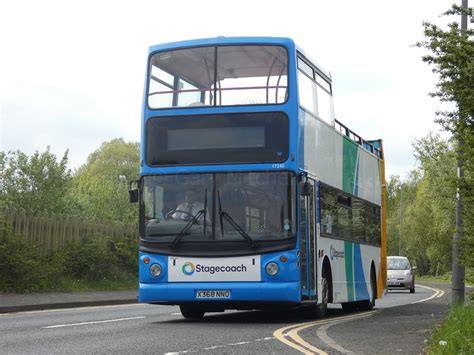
<point>308,239</point>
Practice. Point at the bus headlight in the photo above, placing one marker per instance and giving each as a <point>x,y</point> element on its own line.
<point>155,270</point>
<point>272,268</point>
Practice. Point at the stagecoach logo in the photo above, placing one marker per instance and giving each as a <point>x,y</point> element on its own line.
<point>188,268</point>
<point>335,253</point>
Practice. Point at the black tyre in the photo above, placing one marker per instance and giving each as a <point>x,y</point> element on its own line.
<point>412,289</point>
<point>321,309</point>
<point>191,312</point>
<point>349,306</point>
<point>369,304</point>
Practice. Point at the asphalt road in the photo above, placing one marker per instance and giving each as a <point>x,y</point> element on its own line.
<point>398,325</point>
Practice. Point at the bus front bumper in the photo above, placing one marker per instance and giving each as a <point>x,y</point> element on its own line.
<point>246,292</point>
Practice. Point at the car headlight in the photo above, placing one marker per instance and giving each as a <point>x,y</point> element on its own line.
<point>155,270</point>
<point>272,268</point>
<point>407,273</point>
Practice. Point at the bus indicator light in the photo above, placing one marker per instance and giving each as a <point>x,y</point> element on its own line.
<point>283,259</point>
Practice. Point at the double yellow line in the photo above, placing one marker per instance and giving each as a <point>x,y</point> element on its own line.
<point>289,335</point>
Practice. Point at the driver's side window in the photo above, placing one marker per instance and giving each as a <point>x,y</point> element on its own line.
<point>158,213</point>
<point>153,201</point>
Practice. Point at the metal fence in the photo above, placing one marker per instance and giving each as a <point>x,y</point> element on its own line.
<point>52,232</point>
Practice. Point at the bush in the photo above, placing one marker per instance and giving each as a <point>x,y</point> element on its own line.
<point>126,250</point>
<point>21,269</point>
<point>92,259</point>
<point>96,258</point>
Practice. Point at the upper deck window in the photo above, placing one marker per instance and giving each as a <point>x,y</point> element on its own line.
<point>218,76</point>
<point>314,92</point>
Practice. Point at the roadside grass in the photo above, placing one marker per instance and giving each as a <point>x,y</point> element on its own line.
<point>456,333</point>
<point>446,278</point>
<point>429,278</point>
<point>127,282</point>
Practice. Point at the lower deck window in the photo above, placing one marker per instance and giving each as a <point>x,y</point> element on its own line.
<point>348,217</point>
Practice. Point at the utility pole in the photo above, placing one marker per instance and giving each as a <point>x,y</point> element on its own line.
<point>457,284</point>
<point>401,221</point>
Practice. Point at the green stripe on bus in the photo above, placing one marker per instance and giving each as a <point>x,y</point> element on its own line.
<point>349,161</point>
<point>349,271</point>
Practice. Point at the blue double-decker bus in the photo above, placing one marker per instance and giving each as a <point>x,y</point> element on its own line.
<point>251,194</point>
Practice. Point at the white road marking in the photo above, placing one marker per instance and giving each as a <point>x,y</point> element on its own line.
<point>93,322</point>
<point>74,309</point>
<point>437,294</point>
<point>221,346</point>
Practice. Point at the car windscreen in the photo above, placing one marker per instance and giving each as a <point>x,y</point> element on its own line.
<point>398,264</point>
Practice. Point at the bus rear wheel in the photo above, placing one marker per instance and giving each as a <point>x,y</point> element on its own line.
<point>349,306</point>
<point>191,312</point>
<point>369,304</point>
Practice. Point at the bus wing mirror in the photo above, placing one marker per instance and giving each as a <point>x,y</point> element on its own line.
<point>133,191</point>
<point>306,188</point>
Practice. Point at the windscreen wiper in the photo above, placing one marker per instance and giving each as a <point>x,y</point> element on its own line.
<point>233,223</point>
<point>238,228</point>
<point>194,220</point>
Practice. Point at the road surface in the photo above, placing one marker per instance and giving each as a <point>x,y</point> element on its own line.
<point>399,324</point>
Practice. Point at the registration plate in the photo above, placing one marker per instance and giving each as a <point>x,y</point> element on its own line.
<point>210,294</point>
<point>393,283</point>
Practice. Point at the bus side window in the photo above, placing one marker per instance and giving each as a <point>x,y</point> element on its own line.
<point>329,215</point>
<point>358,220</point>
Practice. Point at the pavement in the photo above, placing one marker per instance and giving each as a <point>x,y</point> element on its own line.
<point>10,302</point>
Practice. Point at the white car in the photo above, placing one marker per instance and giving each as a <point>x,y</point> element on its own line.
<point>400,274</point>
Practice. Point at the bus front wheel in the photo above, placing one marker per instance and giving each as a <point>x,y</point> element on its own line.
<point>191,312</point>
<point>321,308</point>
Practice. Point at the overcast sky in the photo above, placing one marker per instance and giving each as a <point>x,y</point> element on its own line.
<point>72,72</point>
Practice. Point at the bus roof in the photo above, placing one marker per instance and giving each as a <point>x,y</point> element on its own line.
<point>222,40</point>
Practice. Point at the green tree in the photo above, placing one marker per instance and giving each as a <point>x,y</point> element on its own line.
<point>426,225</point>
<point>400,196</point>
<point>429,218</point>
<point>451,55</point>
<point>101,185</point>
<point>393,185</point>
<point>39,182</point>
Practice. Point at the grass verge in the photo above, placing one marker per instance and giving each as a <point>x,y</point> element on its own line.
<point>456,333</point>
<point>429,278</point>
<point>70,285</point>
